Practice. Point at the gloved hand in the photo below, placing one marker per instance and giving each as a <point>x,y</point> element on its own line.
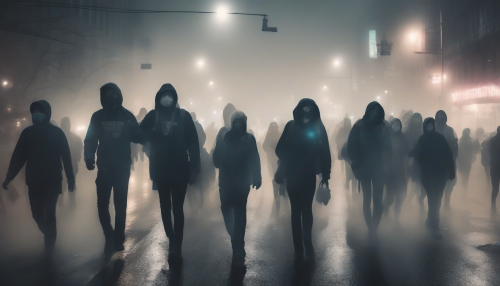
<point>257,184</point>
<point>324,182</point>
<point>6,183</point>
<point>71,186</point>
<point>90,164</point>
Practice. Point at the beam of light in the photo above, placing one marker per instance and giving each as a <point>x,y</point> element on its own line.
<point>222,13</point>
<point>5,83</point>
<point>413,36</point>
<point>201,63</point>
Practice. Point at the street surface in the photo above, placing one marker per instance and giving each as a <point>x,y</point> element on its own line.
<point>403,254</point>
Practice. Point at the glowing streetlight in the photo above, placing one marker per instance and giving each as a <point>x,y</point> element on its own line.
<point>201,63</point>
<point>413,36</point>
<point>215,112</point>
<point>5,83</point>
<point>378,97</point>
<point>211,83</point>
<point>324,87</point>
<point>336,62</point>
<point>386,91</point>
<point>222,13</point>
<point>220,98</point>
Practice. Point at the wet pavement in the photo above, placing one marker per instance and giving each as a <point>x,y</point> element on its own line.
<point>403,253</point>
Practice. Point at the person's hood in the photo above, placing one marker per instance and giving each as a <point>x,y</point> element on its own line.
<point>239,115</point>
<point>298,112</point>
<point>165,88</point>
<point>466,133</point>
<point>105,88</point>
<point>66,124</point>
<point>46,106</point>
<point>443,113</point>
<point>392,122</point>
<point>431,120</point>
<point>227,113</point>
<point>347,122</point>
<point>372,105</point>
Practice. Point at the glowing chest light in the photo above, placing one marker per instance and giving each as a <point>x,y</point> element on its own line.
<point>490,91</point>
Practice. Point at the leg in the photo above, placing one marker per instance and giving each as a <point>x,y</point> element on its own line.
<point>227,208</point>
<point>104,186</point>
<point>36,197</point>
<point>435,190</point>
<point>307,196</point>
<point>293,190</point>
<point>378,206</point>
<point>423,194</point>
<point>401,192</point>
<point>164,190</point>
<point>389,196</point>
<point>366,186</point>
<point>50,204</point>
<point>488,175</point>
<point>240,223</point>
<point>466,176</point>
<point>447,193</point>
<point>120,193</point>
<point>178,196</point>
<point>495,182</point>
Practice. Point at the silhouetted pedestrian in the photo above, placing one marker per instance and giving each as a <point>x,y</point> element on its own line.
<point>494,147</point>
<point>42,147</point>
<point>451,137</point>
<point>340,140</point>
<point>270,143</point>
<point>110,133</point>
<point>304,151</point>
<point>369,148</point>
<point>174,160</point>
<point>413,131</point>
<point>433,153</point>
<point>466,156</point>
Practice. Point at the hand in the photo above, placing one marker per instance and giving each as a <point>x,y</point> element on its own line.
<point>257,184</point>
<point>90,164</point>
<point>71,186</point>
<point>5,184</point>
<point>324,182</point>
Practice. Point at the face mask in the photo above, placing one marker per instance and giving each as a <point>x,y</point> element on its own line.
<point>111,100</point>
<point>166,100</point>
<point>396,127</point>
<point>38,117</point>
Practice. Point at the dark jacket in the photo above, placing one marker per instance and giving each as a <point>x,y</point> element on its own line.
<point>175,149</point>
<point>485,151</point>
<point>269,146</point>
<point>110,132</point>
<point>226,114</point>
<point>494,148</point>
<point>303,147</point>
<point>414,129</point>
<point>448,133</point>
<point>343,135</point>
<point>369,145</point>
<point>434,156</point>
<point>42,147</point>
<point>237,158</point>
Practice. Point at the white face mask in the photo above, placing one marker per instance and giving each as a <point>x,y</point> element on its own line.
<point>166,101</point>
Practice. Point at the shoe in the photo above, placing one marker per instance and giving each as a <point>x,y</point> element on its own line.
<point>174,251</point>
<point>310,254</point>
<point>119,247</point>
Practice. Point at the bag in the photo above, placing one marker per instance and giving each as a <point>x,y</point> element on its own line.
<point>323,194</point>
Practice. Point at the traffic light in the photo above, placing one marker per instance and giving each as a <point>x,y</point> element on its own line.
<point>265,28</point>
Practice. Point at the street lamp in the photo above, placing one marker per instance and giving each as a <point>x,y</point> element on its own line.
<point>413,37</point>
<point>201,63</point>
<point>5,83</point>
<point>211,83</point>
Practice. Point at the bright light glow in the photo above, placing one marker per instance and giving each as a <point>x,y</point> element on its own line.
<point>378,97</point>
<point>352,117</point>
<point>324,87</point>
<point>191,103</point>
<point>413,36</point>
<point>222,13</point>
<point>220,98</point>
<point>392,113</point>
<point>24,119</point>
<point>215,112</point>
<point>18,124</point>
<point>9,109</point>
<point>211,83</point>
<point>372,44</point>
<point>336,62</point>
<point>5,83</point>
<point>386,91</point>
<point>480,92</point>
<point>201,63</point>
<point>274,119</point>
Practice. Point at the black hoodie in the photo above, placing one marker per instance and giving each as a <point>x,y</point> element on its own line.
<point>433,155</point>
<point>110,132</point>
<point>303,147</point>
<point>175,149</point>
<point>369,145</point>
<point>237,158</point>
<point>42,147</point>
<point>400,151</point>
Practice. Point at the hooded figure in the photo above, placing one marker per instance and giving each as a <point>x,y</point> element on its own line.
<point>485,156</point>
<point>137,150</point>
<point>226,114</point>
<point>304,151</point>
<point>42,147</point>
<point>76,149</point>
<point>451,137</point>
<point>194,192</point>
<point>174,160</point>
<point>413,131</point>
<point>494,148</point>
<point>397,178</point>
<point>340,140</point>
<point>466,156</point>
<point>270,143</point>
<point>369,148</point>
<point>238,161</point>
<point>435,158</point>
<point>110,133</point>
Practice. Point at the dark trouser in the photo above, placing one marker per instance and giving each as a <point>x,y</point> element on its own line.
<point>43,201</point>
<point>116,180</point>
<point>301,192</point>
<point>495,182</point>
<point>372,221</point>
<point>234,210</point>
<point>172,195</point>
<point>447,192</point>
<point>71,195</point>
<point>488,174</point>
<point>434,189</point>
<point>465,177</point>
<point>396,190</point>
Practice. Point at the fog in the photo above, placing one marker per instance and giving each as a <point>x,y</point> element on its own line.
<point>321,52</point>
